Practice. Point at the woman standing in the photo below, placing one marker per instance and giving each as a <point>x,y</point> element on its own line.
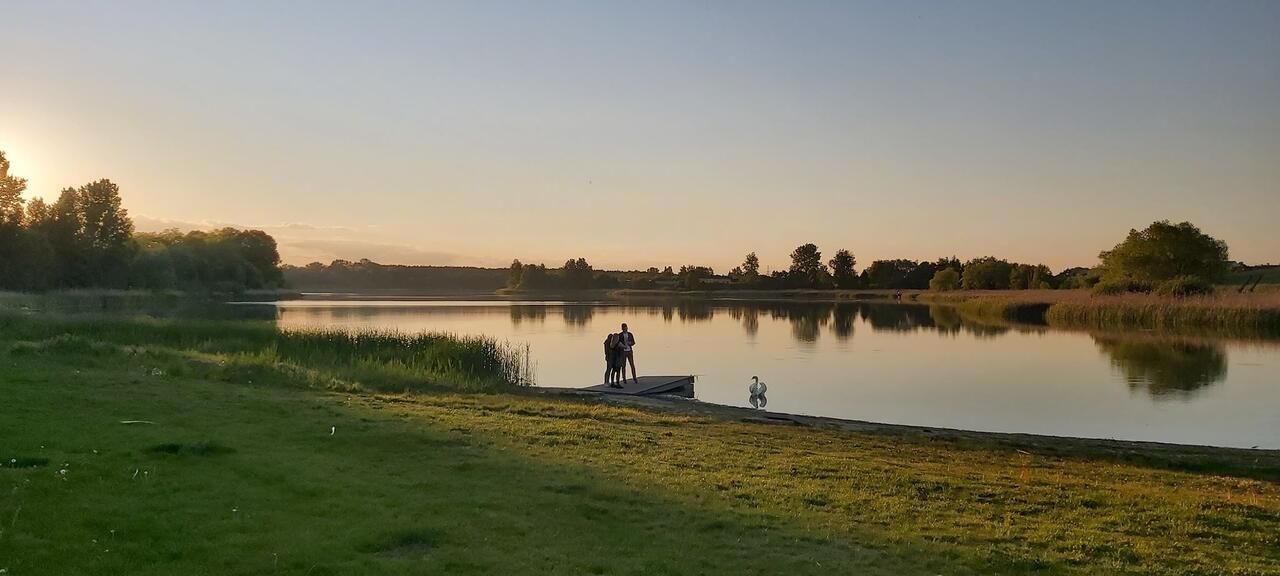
<point>612,355</point>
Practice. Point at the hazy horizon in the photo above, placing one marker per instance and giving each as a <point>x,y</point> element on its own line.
<point>659,134</point>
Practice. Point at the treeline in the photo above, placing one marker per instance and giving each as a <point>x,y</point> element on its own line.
<point>85,239</point>
<point>807,271</point>
<point>344,275</point>
<point>1166,258</point>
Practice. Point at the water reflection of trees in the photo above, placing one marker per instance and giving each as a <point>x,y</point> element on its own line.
<point>578,316</point>
<point>695,310</point>
<point>530,313</point>
<point>1165,367</point>
<point>896,318</point>
<point>748,316</point>
<point>842,317</point>
<point>808,320</point>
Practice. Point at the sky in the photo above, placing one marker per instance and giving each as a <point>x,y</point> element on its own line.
<point>658,133</point>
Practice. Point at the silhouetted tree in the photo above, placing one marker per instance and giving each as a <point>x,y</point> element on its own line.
<point>806,265</point>
<point>11,232</point>
<point>691,276</point>
<point>514,272</point>
<point>893,274</point>
<point>842,269</point>
<point>577,274</point>
<point>751,269</point>
<point>534,277</point>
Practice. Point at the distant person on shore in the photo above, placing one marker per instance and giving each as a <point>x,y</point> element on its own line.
<point>627,340</point>
<point>612,360</point>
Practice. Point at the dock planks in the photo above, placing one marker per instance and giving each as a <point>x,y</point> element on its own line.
<point>651,385</point>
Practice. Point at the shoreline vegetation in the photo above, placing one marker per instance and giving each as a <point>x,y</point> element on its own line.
<point>247,431</point>
<point>1224,312</point>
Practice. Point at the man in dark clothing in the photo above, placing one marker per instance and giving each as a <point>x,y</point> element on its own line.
<point>627,340</point>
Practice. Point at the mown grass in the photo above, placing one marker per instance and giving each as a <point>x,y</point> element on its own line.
<point>220,470</point>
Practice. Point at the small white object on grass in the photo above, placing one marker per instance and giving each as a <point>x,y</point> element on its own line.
<point>333,430</point>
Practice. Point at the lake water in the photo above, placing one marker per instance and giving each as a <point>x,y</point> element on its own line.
<point>897,363</point>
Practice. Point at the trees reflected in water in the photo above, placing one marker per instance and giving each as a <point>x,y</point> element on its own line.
<point>534,314</point>
<point>1163,367</point>
<point>809,321</point>
<point>578,316</point>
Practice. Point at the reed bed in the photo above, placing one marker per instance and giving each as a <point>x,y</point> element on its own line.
<point>388,361</point>
<point>1227,312</point>
<point>1021,311</point>
<point>1175,315</point>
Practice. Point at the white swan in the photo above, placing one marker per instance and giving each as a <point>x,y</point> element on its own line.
<point>757,388</point>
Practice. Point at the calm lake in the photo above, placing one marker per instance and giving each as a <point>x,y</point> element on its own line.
<point>897,363</point>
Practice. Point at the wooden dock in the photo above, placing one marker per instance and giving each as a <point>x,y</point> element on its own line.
<point>651,385</point>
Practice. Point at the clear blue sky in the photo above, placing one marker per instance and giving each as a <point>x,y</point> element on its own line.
<point>658,133</point>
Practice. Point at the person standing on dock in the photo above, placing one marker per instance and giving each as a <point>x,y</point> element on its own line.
<point>612,360</point>
<point>628,340</point>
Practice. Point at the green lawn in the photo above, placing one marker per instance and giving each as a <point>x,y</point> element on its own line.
<point>253,470</point>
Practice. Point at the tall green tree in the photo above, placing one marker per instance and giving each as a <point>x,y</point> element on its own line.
<point>12,236</point>
<point>1164,251</point>
<point>842,269</point>
<point>1030,277</point>
<point>986,273</point>
<point>64,231</point>
<point>11,203</point>
<point>105,232</point>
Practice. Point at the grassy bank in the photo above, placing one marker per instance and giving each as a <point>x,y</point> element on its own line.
<point>243,466</point>
<point>328,359</point>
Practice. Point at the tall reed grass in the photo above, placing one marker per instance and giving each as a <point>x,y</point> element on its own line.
<point>1185,315</point>
<point>1022,311</point>
<point>373,360</point>
<point>1228,313</point>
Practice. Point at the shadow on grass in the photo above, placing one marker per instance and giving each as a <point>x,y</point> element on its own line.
<point>190,449</point>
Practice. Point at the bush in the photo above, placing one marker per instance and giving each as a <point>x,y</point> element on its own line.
<point>1113,286</point>
<point>1184,286</point>
<point>945,280</point>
